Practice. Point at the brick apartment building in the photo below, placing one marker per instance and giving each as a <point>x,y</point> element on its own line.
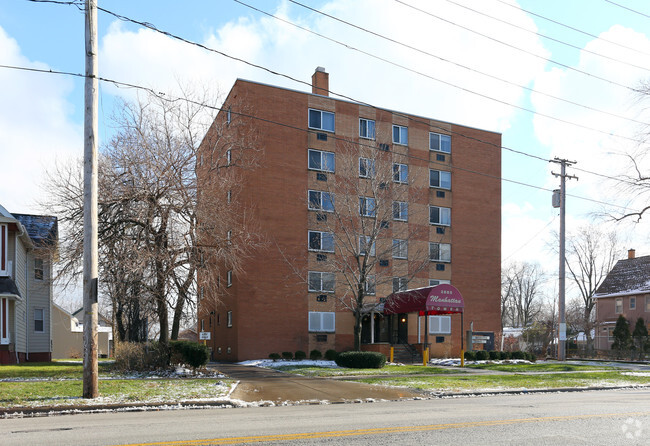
<point>285,299</point>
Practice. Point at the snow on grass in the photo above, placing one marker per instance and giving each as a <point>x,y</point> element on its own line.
<point>270,364</point>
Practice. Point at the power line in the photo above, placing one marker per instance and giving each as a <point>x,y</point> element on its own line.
<point>531,239</point>
<point>629,9</point>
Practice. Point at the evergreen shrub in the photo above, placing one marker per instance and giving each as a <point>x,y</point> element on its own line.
<point>361,360</point>
<point>315,355</point>
<point>331,355</point>
<point>300,355</point>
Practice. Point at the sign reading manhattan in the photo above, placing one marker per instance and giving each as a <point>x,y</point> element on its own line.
<point>204,336</point>
<point>445,299</point>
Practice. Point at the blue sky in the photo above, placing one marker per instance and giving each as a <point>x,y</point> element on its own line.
<point>41,114</point>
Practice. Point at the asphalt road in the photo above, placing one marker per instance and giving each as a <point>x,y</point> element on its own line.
<point>576,418</point>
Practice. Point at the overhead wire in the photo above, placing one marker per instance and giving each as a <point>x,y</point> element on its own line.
<point>629,9</point>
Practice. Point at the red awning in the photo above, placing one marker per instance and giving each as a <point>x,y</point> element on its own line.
<point>439,299</point>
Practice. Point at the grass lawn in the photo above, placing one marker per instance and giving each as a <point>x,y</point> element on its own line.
<point>50,370</point>
<point>308,370</point>
<point>538,367</point>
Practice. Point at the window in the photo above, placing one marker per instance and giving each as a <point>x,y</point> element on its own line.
<point>229,237</point>
<point>39,324</point>
<point>321,201</point>
<point>439,215</point>
<point>229,278</point>
<point>364,241</point>
<point>619,305</point>
<point>440,179</point>
<point>434,282</point>
<point>369,285</point>
<point>4,321</point>
<point>229,115</point>
<point>321,120</point>
<point>440,143</point>
<point>610,334</point>
<point>202,325</point>
<point>366,168</point>
<point>323,161</point>
<point>366,128</point>
<point>400,173</point>
<point>647,304</point>
<point>632,303</point>
<point>38,269</point>
<point>228,157</point>
<point>321,241</point>
<point>440,252</point>
<point>229,196</point>
<point>399,284</point>
<point>400,135</point>
<point>400,210</point>
<point>400,249</point>
<point>321,282</point>
<point>321,321</point>
<point>439,324</point>
<point>367,207</point>
<point>4,270</point>
<point>229,319</point>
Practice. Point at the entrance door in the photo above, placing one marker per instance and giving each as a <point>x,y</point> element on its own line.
<point>399,328</point>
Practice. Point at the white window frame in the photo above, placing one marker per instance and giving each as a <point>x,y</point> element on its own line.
<point>324,167</point>
<point>4,321</point>
<point>41,320</point>
<point>444,252</point>
<point>632,303</point>
<point>366,126</point>
<point>228,157</point>
<point>618,305</point>
<point>400,249</point>
<point>444,216</point>
<point>322,321</point>
<point>321,127</point>
<point>401,282</point>
<point>229,319</point>
<point>229,278</point>
<point>4,241</point>
<point>435,282</point>
<point>321,276</point>
<point>363,242</point>
<point>317,205</point>
<point>370,286</point>
<point>321,234</point>
<point>367,207</point>
<point>400,210</point>
<point>39,269</point>
<point>402,135</point>
<point>366,167</point>
<point>440,138</point>
<point>440,325</point>
<point>400,173</point>
<point>444,179</point>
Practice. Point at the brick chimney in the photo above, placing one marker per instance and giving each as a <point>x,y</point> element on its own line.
<point>320,82</point>
<point>631,253</point>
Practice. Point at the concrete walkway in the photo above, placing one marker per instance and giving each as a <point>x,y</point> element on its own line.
<point>259,384</point>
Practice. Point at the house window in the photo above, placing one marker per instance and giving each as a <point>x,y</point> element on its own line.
<point>440,143</point>
<point>39,325</point>
<point>229,319</point>
<point>632,303</point>
<point>400,249</point>
<point>619,305</point>
<point>367,207</point>
<point>4,320</point>
<point>439,324</point>
<point>400,173</point>
<point>439,215</point>
<point>38,269</point>
<point>364,241</point>
<point>229,278</point>
<point>439,179</point>
<point>321,282</point>
<point>366,168</point>
<point>399,284</point>
<point>229,237</point>
<point>434,282</point>
<point>400,135</point>
<point>228,157</point>
<point>321,120</point>
<point>321,201</point>
<point>3,251</point>
<point>321,241</point>
<point>440,252</point>
<point>400,210</point>
<point>647,304</point>
<point>322,321</point>
<point>229,115</point>
<point>319,160</point>
<point>366,128</point>
<point>610,334</point>
<point>370,284</point>
<point>229,196</point>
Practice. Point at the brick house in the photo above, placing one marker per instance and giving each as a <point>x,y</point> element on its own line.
<point>27,250</point>
<point>625,291</point>
<point>457,214</point>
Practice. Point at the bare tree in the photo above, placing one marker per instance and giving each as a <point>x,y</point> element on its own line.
<point>521,293</point>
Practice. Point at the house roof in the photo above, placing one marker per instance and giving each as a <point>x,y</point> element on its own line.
<point>42,229</point>
<point>8,287</point>
<point>629,276</point>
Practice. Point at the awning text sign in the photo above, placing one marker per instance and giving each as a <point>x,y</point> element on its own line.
<point>445,299</point>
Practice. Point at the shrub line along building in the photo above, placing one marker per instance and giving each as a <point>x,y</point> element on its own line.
<point>449,174</point>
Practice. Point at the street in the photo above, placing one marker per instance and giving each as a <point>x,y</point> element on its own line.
<point>573,418</point>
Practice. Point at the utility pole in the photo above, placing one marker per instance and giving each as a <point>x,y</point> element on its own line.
<point>561,203</point>
<point>90,382</point>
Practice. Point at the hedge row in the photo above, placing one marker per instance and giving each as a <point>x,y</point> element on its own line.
<point>314,355</point>
<point>493,355</point>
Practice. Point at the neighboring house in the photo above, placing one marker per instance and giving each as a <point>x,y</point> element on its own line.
<point>28,246</point>
<point>451,174</point>
<point>625,291</point>
<point>67,335</point>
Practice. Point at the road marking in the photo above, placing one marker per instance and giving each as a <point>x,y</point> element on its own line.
<point>381,430</point>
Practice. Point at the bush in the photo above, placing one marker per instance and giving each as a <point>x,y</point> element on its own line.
<point>287,355</point>
<point>187,352</point>
<point>470,355</point>
<point>274,356</point>
<point>531,357</point>
<point>518,355</point>
<point>494,355</point>
<point>361,360</point>
<point>482,355</point>
<point>129,356</point>
<point>331,355</point>
<point>504,355</point>
<point>300,355</point>
<point>315,355</point>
